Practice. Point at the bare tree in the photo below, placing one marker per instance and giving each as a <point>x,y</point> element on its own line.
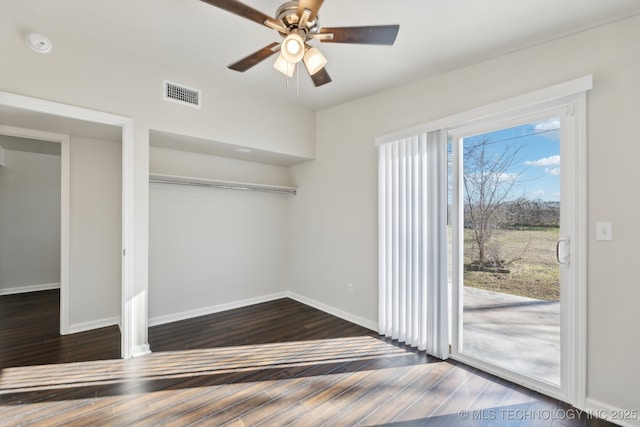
<point>490,175</point>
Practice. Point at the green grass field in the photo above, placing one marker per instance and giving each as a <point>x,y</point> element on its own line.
<point>534,271</point>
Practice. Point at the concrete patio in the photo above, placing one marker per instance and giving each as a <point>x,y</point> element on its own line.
<point>518,333</point>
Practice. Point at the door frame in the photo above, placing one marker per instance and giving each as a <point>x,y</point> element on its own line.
<point>128,310</point>
<point>572,112</point>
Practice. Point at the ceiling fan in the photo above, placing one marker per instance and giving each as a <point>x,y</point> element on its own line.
<point>297,22</point>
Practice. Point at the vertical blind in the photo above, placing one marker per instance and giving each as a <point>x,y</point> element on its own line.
<point>412,242</point>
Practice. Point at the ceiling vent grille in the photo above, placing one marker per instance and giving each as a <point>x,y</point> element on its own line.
<point>182,94</point>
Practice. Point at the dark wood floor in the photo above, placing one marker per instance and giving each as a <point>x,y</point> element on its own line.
<point>29,333</point>
<point>271,364</point>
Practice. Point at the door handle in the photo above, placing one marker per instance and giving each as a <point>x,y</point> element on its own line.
<point>565,259</point>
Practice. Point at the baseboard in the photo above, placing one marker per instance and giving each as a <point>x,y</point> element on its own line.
<point>29,288</point>
<point>141,350</point>
<point>175,317</point>
<point>622,417</point>
<point>94,324</point>
<point>189,314</point>
<point>365,323</point>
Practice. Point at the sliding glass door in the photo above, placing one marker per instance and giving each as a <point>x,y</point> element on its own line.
<point>511,260</point>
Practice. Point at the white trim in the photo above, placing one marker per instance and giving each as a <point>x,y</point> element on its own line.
<point>93,324</point>
<point>133,322</point>
<point>29,288</point>
<point>516,378</point>
<point>128,205</point>
<point>1,156</point>
<point>524,101</point>
<point>580,252</point>
<point>63,110</point>
<point>65,207</point>
<point>65,230</point>
<point>613,414</point>
<point>141,350</point>
<point>203,311</point>
<point>189,314</point>
<point>361,321</point>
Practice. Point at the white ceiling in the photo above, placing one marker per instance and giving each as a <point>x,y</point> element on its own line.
<point>434,37</point>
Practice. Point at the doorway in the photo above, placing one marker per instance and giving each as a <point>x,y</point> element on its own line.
<point>29,215</point>
<point>567,103</point>
<point>513,230</point>
<point>511,208</point>
<point>133,309</point>
<point>63,203</point>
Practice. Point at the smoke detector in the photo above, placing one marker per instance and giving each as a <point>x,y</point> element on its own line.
<point>38,42</point>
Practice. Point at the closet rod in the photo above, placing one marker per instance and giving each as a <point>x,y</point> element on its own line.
<point>226,185</point>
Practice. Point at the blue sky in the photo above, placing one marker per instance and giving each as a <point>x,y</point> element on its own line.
<point>536,170</point>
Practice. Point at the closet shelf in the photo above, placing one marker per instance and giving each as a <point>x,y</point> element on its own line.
<point>159,178</point>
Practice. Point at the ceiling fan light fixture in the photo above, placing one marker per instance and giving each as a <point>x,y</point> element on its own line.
<point>314,60</point>
<point>293,48</point>
<point>284,66</point>
<point>296,21</point>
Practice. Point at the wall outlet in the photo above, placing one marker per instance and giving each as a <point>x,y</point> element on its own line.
<point>350,288</point>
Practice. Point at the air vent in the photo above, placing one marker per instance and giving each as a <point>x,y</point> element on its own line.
<point>182,94</point>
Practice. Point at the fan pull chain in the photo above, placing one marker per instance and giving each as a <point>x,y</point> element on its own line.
<point>286,82</point>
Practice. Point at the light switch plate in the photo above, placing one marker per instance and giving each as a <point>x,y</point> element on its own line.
<point>604,231</point>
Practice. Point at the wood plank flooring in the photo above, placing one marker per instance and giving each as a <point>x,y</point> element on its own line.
<point>272,364</point>
<point>29,333</point>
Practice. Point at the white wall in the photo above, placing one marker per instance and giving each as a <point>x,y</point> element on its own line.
<point>29,216</point>
<point>211,249</point>
<point>96,233</point>
<point>333,235</point>
<point>184,163</point>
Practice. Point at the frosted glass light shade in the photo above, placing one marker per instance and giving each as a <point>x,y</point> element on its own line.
<point>284,66</point>
<point>314,60</point>
<point>293,48</point>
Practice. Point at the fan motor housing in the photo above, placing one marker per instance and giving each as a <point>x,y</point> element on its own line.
<point>287,13</point>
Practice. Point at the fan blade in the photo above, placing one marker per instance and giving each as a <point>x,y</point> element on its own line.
<point>255,58</point>
<point>241,9</point>
<point>321,78</point>
<point>379,34</point>
<point>312,5</point>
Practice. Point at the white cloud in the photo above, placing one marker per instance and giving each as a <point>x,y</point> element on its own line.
<point>545,161</point>
<point>552,171</point>
<point>538,194</point>
<point>548,125</point>
<point>507,177</point>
